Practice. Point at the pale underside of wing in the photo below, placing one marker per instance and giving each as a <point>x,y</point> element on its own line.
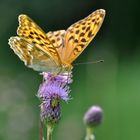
<point>32,57</point>
<point>29,31</point>
<point>80,34</point>
<point>57,39</point>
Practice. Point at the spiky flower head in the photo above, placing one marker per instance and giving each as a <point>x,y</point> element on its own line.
<point>51,92</point>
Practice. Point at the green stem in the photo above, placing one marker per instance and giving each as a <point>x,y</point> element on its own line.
<point>49,131</point>
<point>89,134</point>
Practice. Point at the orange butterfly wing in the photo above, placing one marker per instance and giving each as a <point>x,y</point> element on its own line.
<point>80,34</point>
<point>54,50</point>
<point>57,38</point>
<point>34,47</point>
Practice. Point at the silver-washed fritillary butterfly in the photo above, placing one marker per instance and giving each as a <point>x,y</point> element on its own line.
<point>55,51</point>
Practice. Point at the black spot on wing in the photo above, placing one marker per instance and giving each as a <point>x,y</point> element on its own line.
<point>90,34</point>
<point>30,36</point>
<point>31,33</point>
<point>83,28</point>
<point>82,34</point>
<point>71,38</point>
<point>82,45</point>
<point>88,28</point>
<point>77,31</point>
<point>58,39</point>
<point>53,41</point>
<point>83,40</point>
<point>93,20</point>
<point>42,36</point>
<point>38,38</point>
<point>76,40</point>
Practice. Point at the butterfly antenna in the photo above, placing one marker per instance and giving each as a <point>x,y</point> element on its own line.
<point>92,62</point>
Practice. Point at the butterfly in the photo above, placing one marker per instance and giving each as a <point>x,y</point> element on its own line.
<point>55,51</point>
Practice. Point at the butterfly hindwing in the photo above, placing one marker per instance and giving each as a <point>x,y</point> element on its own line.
<point>57,38</point>
<point>32,57</point>
<point>21,48</point>
<point>80,34</point>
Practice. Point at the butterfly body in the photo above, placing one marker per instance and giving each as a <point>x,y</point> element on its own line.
<point>54,51</point>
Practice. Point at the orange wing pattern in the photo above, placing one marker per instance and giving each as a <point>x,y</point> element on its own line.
<point>32,57</point>
<point>80,34</point>
<point>33,34</point>
<point>57,39</point>
<point>54,51</point>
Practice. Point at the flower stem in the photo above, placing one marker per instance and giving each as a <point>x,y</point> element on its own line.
<point>49,131</point>
<point>89,134</point>
<point>41,131</point>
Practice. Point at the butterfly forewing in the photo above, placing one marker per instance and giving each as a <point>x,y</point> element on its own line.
<point>79,35</point>
<point>34,48</point>
<point>33,34</point>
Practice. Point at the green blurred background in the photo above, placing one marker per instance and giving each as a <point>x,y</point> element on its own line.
<point>114,84</point>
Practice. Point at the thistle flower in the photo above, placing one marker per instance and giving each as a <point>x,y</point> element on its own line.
<point>51,92</point>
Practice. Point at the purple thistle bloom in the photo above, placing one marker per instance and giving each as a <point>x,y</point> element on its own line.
<point>93,116</point>
<point>51,92</point>
<point>65,78</point>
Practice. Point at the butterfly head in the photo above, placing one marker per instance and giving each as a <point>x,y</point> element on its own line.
<point>67,67</point>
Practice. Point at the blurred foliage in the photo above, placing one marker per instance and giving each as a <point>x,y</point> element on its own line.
<point>114,84</point>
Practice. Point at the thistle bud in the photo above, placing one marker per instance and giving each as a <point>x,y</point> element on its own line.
<point>93,117</point>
